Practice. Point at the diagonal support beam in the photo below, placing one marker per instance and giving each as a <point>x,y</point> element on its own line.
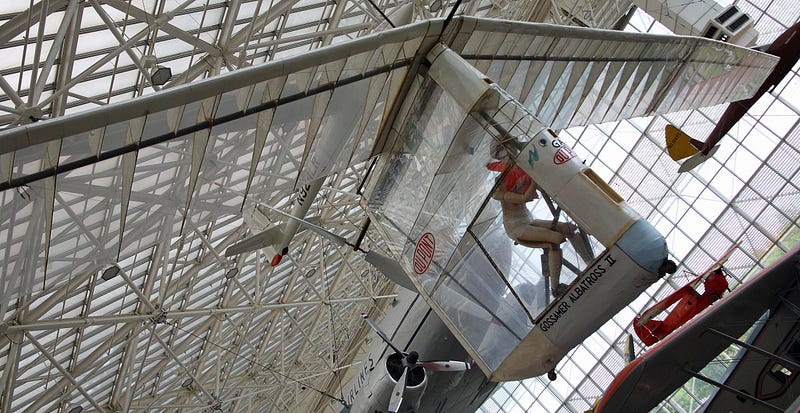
<point>21,21</point>
<point>107,58</point>
<point>723,386</point>
<point>63,371</point>
<point>86,362</point>
<point>139,14</point>
<point>135,288</point>
<point>782,360</point>
<point>58,43</point>
<point>235,41</point>
<point>10,92</point>
<point>175,358</point>
<point>113,29</point>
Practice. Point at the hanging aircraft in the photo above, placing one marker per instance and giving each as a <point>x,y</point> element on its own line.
<point>440,95</point>
<point>339,123</point>
<point>680,145</point>
<point>762,375</point>
<point>683,304</point>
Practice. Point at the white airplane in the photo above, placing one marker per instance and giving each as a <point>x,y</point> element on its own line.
<point>441,94</point>
<point>337,125</point>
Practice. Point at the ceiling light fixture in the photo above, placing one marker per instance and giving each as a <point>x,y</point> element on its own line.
<point>110,272</point>
<point>161,76</point>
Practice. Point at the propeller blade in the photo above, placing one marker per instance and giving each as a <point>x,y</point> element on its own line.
<point>397,393</point>
<point>319,230</point>
<point>446,365</point>
<point>381,334</point>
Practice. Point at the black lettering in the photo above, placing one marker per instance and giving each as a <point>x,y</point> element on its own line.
<point>552,318</point>
<point>610,260</point>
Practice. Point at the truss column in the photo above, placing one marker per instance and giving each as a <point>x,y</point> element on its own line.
<point>227,25</point>
<point>66,61</point>
<point>120,39</point>
<point>175,358</point>
<point>10,374</point>
<point>58,42</point>
<point>215,321</point>
<point>107,58</point>
<point>336,18</point>
<point>141,15</point>
<point>26,313</point>
<point>208,259</point>
<point>325,304</point>
<point>37,52</point>
<point>231,358</point>
<point>307,338</point>
<point>355,342</point>
<point>146,376</point>
<point>284,297</point>
<point>131,347</point>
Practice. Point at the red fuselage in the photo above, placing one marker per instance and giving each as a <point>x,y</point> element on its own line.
<point>787,48</point>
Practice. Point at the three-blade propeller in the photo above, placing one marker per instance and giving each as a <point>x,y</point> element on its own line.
<point>411,360</point>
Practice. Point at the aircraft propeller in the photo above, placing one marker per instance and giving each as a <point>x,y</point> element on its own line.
<point>410,361</point>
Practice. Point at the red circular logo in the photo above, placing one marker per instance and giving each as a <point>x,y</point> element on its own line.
<point>423,253</point>
<point>563,154</point>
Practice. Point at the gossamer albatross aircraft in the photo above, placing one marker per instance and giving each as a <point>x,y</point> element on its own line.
<point>441,97</point>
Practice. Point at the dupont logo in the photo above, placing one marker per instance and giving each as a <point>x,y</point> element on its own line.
<point>563,154</point>
<point>423,253</point>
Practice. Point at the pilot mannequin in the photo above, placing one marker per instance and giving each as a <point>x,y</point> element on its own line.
<point>514,192</point>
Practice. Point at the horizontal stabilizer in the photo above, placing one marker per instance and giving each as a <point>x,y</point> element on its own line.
<point>315,220</point>
<point>679,144</point>
<point>696,160</point>
<point>263,239</point>
<point>391,269</point>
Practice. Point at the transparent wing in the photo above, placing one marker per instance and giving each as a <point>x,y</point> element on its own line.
<point>570,76</point>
